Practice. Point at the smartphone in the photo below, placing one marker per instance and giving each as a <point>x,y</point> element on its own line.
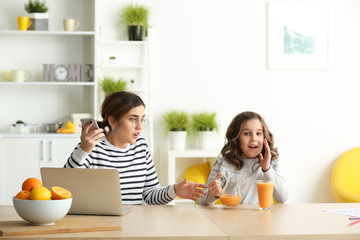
<point>86,121</point>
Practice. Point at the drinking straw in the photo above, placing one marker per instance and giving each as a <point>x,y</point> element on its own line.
<point>350,224</point>
<point>354,218</point>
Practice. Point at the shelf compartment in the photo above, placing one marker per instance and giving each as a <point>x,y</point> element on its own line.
<point>49,83</point>
<point>39,135</point>
<point>122,66</point>
<point>175,162</point>
<point>129,43</point>
<point>45,33</point>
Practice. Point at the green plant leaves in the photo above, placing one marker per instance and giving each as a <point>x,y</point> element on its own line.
<point>134,14</point>
<point>204,121</point>
<point>176,120</point>
<point>109,85</point>
<point>36,6</point>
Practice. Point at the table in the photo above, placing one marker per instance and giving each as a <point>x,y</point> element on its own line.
<point>284,221</point>
<point>150,222</point>
<point>287,221</point>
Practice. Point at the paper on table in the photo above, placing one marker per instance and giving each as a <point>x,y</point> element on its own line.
<point>354,212</point>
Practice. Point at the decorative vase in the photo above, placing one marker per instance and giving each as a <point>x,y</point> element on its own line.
<point>135,33</point>
<point>39,21</point>
<point>177,140</point>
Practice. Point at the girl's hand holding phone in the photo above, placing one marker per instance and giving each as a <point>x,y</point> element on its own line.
<point>90,136</point>
<point>265,160</point>
<point>215,186</point>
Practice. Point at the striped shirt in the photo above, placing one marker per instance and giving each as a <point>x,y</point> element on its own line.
<point>138,179</point>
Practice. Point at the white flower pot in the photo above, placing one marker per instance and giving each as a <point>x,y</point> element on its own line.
<point>177,140</point>
<point>39,21</point>
<point>20,128</point>
<point>206,139</point>
<point>112,61</point>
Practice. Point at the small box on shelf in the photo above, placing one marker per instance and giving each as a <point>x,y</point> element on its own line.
<point>75,118</point>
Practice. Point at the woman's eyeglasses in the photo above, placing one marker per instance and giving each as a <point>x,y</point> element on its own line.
<point>135,122</point>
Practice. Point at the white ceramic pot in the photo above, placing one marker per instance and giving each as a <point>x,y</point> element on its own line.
<point>177,140</point>
<point>39,21</point>
<point>206,139</point>
<point>112,61</point>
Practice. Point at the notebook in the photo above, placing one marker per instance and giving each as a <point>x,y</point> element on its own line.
<point>94,191</point>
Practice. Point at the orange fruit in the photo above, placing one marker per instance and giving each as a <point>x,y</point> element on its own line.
<point>40,193</point>
<point>31,183</point>
<point>60,193</point>
<point>23,195</point>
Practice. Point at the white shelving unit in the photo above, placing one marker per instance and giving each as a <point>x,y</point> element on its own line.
<point>175,163</point>
<point>132,59</point>
<point>35,101</point>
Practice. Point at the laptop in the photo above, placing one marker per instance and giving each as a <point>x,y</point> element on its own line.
<point>94,191</point>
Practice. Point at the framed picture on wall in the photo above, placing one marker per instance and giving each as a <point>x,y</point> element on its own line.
<point>298,36</point>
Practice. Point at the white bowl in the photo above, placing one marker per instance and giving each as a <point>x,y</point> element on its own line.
<point>42,212</point>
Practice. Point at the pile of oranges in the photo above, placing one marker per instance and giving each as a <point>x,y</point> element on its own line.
<point>32,189</point>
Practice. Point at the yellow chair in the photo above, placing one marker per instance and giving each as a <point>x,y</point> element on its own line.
<point>345,178</point>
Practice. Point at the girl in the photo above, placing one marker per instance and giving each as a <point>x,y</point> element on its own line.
<point>250,150</point>
<point>120,146</point>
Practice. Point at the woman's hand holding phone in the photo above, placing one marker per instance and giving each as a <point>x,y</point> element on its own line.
<point>90,134</point>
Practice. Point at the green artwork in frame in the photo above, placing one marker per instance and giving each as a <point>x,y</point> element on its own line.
<point>298,35</point>
<point>298,43</point>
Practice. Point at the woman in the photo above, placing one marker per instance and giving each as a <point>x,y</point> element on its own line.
<point>118,144</point>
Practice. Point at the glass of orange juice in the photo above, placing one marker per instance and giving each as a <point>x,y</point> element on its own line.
<point>232,191</point>
<point>265,193</point>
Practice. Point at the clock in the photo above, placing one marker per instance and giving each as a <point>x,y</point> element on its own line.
<point>61,72</point>
<point>78,72</point>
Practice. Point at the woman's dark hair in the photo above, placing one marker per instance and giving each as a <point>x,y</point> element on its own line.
<point>117,105</point>
<point>231,150</point>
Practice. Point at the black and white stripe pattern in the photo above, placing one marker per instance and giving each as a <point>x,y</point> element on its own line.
<point>137,173</point>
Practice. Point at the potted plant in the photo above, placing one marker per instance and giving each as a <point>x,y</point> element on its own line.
<point>38,15</point>
<point>112,60</point>
<point>19,127</point>
<point>204,125</point>
<point>110,85</point>
<point>177,124</point>
<point>135,17</point>
<point>132,83</point>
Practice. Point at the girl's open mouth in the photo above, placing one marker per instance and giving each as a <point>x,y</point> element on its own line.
<point>253,147</point>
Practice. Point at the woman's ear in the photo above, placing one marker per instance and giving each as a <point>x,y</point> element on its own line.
<point>111,121</point>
